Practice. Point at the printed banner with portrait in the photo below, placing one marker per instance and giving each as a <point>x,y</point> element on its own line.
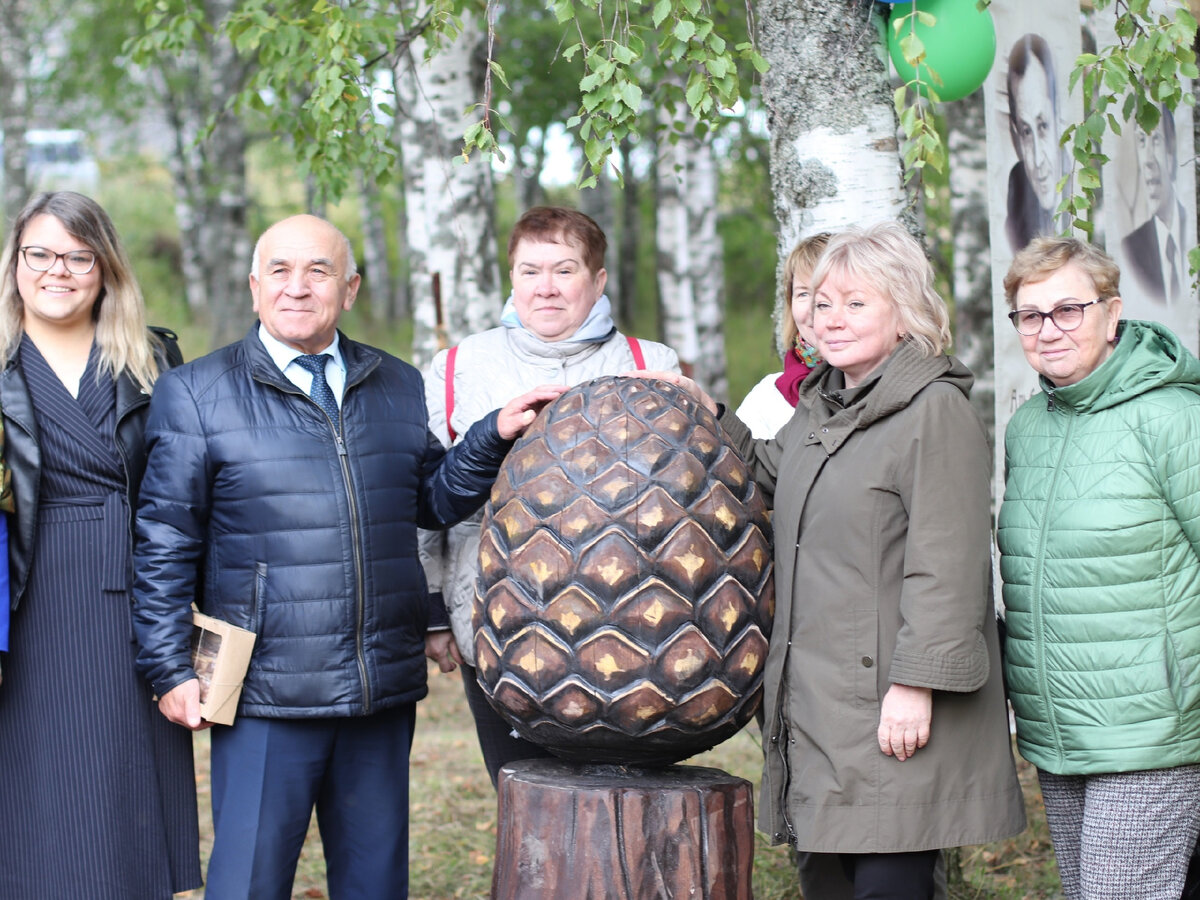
<point>1149,212</point>
<point>1027,106</point>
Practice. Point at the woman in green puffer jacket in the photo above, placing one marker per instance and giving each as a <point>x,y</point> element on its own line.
<point>1100,536</point>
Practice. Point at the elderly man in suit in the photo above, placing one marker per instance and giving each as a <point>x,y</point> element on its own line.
<point>287,475</point>
<point>1156,251</point>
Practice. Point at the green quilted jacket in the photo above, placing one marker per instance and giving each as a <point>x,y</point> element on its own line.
<point>1100,536</point>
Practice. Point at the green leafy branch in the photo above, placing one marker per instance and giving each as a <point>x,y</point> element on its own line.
<point>1134,78</point>
<point>309,74</point>
<point>691,63</point>
<point>326,104</point>
<point>922,145</point>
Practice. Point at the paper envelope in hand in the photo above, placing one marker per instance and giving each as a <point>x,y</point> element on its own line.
<point>220,656</point>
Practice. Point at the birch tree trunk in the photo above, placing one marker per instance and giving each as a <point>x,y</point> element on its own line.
<point>451,230</point>
<point>14,105</point>
<point>691,275</point>
<point>627,252</point>
<point>834,154</point>
<point>597,202</point>
<point>377,271</point>
<point>528,162</point>
<point>209,178</point>
<point>973,336</point>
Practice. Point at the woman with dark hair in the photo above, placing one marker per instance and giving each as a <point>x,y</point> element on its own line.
<point>97,790</point>
<point>556,328</point>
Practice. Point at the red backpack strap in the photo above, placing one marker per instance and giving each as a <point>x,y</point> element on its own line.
<point>636,348</point>
<point>450,354</point>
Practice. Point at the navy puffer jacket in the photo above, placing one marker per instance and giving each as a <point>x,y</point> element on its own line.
<point>252,505</point>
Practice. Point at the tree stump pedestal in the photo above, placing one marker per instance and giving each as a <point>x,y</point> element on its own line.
<point>591,832</point>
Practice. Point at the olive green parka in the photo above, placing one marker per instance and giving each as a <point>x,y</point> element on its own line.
<point>1100,540</point>
<point>883,573</point>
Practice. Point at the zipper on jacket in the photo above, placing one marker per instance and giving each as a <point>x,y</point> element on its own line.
<point>780,740</point>
<point>144,400</point>
<point>355,527</point>
<point>356,543</point>
<point>1036,605</point>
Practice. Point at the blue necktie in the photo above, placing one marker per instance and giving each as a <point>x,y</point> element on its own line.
<point>320,392</point>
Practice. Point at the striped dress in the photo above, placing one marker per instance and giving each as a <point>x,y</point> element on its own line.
<point>97,789</point>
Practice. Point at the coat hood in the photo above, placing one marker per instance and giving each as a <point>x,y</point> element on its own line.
<point>1148,355</point>
<point>905,374</point>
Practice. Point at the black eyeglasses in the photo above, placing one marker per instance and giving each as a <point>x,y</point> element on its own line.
<point>78,262</point>
<point>1066,317</point>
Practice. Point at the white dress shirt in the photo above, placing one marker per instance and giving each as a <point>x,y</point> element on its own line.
<point>284,357</point>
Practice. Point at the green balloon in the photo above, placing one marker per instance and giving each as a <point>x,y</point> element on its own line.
<point>960,46</point>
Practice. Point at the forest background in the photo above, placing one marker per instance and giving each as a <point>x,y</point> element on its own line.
<point>703,136</point>
<point>707,136</point>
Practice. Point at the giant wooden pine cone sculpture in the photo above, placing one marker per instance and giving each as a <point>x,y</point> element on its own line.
<point>625,592</point>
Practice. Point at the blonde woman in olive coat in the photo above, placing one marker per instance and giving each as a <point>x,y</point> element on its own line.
<point>886,735</point>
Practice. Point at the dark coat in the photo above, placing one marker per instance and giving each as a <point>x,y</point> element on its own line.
<point>22,455</point>
<point>1143,258</point>
<point>255,507</point>
<point>1026,218</point>
<point>882,576</point>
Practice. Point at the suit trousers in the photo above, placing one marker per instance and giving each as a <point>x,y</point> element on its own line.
<point>268,774</point>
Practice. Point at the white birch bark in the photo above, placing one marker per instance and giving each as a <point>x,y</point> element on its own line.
<point>690,272</point>
<point>450,227</point>
<point>377,271</point>
<point>597,202</point>
<point>834,153</point>
<point>14,105</point>
<point>209,178</point>
<point>676,302</point>
<point>624,268</point>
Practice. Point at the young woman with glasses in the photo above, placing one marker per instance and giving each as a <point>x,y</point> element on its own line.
<point>97,790</point>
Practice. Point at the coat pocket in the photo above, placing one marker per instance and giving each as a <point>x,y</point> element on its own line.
<point>259,599</point>
<point>865,659</point>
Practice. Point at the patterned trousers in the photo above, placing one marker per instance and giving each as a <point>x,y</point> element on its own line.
<point>1123,835</point>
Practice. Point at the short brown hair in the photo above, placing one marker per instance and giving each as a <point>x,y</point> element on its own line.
<point>803,258</point>
<point>561,225</point>
<point>1043,256</point>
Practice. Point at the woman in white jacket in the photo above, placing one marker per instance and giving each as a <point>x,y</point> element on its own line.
<point>556,328</point>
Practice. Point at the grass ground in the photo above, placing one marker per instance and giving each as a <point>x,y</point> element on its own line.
<point>453,810</point>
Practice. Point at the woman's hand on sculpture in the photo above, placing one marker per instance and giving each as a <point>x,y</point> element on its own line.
<point>680,381</point>
<point>904,719</point>
<point>518,413</point>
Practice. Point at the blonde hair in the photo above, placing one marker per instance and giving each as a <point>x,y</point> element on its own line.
<point>803,258</point>
<point>1043,256</point>
<point>126,344</point>
<point>889,259</point>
